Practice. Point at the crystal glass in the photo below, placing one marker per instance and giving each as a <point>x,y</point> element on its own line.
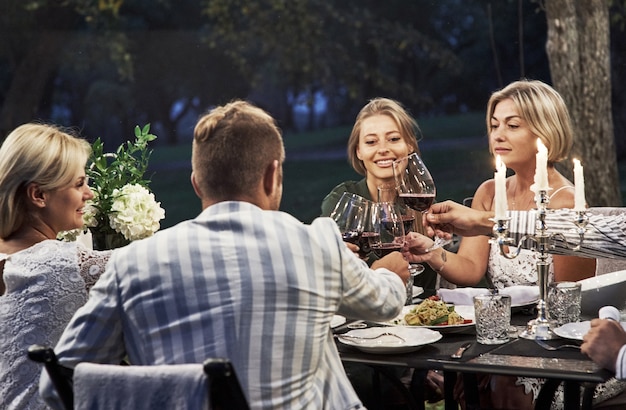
<point>493,318</point>
<point>563,302</point>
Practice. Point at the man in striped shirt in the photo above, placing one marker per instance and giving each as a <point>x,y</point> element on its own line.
<point>604,237</point>
<point>242,281</point>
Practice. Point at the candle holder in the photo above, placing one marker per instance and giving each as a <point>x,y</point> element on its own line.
<point>541,327</point>
<point>581,221</point>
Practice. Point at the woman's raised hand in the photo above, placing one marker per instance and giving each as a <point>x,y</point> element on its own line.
<point>416,248</point>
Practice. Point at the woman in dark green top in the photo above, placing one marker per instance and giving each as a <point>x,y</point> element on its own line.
<point>383,132</point>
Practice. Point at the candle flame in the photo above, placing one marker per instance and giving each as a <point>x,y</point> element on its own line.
<point>576,162</point>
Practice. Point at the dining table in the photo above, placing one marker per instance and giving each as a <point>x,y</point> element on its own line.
<point>517,357</point>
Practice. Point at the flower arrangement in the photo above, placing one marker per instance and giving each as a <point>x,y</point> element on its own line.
<point>123,208</point>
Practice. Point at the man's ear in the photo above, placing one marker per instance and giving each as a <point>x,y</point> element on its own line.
<point>194,184</point>
<point>271,179</point>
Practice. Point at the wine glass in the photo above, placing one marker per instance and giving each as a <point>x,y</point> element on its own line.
<point>388,229</point>
<point>351,216</point>
<point>416,187</point>
<point>389,193</point>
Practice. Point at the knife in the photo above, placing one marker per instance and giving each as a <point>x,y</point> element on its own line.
<point>459,353</point>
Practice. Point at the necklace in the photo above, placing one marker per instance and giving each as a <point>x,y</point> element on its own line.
<point>523,201</point>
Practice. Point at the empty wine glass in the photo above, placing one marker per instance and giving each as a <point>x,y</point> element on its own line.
<point>416,187</point>
<point>351,216</point>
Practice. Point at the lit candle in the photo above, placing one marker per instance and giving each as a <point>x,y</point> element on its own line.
<point>541,168</point>
<point>579,182</point>
<point>500,195</point>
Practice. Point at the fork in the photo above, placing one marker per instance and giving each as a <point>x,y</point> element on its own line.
<point>371,338</point>
<point>552,348</point>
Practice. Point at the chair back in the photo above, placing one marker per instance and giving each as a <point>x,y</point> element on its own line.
<point>60,376</point>
<point>212,384</point>
<point>223,380</point>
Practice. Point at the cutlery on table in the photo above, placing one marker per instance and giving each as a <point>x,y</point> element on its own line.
<point>370,337</point>
<point>552,348</point>
<point>459,353</point>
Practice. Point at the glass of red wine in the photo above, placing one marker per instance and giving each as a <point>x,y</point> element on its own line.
<point>416,187</point>
<point>351,216</point>
<point>389,193</point>
<point>388,228</point>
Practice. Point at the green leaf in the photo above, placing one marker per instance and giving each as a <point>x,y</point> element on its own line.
<point>439,320</point>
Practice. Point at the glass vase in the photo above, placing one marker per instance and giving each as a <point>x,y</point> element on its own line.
<point>106,241</point>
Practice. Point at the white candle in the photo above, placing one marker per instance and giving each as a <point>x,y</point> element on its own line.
<point>579,182</point>
<point>541,168</point>
<point>500,195</point>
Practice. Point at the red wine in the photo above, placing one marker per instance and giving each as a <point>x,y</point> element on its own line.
<point>362,240</point>
<point>384,249</point>
<point>408,221</point>
<point>367,238</point>
<point>419,202</point>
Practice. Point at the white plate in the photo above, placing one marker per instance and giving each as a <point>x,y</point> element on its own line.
<point>521,295</point>
<point>575,330</point>
<point>467,312</point>
<point>337,320</point>
<point>414,338</point>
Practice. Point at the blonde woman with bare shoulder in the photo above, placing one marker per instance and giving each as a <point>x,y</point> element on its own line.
<point>517,116</point>
<point>43,281</point>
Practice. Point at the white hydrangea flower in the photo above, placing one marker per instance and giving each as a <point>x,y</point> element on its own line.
<point>69,236</point>
<point>135,212</point>
<point>90,212</point>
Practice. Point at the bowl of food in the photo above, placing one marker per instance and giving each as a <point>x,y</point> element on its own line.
<point>608,289</point>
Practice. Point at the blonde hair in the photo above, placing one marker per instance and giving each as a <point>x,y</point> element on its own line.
<point>545,112</point>
<point>382,106</point>
<point>35,153</point>
<point>232,146</point>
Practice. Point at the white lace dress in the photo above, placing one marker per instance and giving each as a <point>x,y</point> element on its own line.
<point>522,270</point>
<point>45,285</point>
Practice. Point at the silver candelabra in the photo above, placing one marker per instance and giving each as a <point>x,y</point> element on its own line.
<point>540,327</point>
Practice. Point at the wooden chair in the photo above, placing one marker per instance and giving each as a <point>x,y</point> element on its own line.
<point>224,390</point>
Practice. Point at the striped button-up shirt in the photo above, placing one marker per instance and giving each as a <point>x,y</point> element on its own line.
<point>604,235</point>
<point>258,287</point>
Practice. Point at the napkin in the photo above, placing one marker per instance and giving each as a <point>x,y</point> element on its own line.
<point>461,296</point>
<point>609,312</point>
<point>521,295</point>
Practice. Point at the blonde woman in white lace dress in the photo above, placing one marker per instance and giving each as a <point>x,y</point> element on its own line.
<point>43,189</point>
<point>517,116</point>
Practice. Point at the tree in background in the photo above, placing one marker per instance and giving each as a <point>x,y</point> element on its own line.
<point>579,54</point>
